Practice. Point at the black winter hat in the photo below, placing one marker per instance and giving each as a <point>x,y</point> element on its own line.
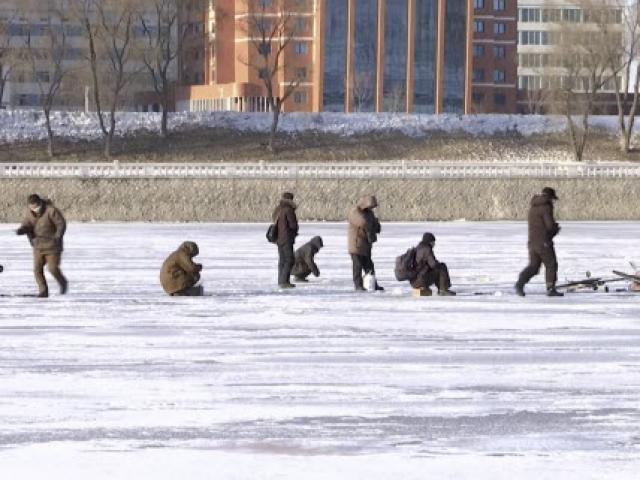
<point>550,192</point>
<point>287,196</point>
<point>34,199</point>
<point>428,237</point>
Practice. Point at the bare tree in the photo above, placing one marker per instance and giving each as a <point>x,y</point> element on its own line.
<point>163,41</point>
<point>10,52</point>
<point>271,28</point>
<point>623,57</point>
<point>586,68</point>
<point>362,88</point>
<point>395,99</point>
<point>48,55</point>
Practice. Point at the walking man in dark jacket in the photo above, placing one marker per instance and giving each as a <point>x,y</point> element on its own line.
<point>305,263</point>
<point>542,230</point>
<point>429,270</point>
<point>363,232</point>
<point>284,217</point>
<point>44,226</point>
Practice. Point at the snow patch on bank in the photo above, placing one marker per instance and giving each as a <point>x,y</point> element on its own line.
<point>21,125</point>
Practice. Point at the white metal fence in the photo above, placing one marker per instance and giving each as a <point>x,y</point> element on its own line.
<point>379,169</point>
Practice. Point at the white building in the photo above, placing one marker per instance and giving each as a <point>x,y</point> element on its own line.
<point>539,25</point>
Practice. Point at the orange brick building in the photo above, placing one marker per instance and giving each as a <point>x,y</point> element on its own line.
<point>352,56</point>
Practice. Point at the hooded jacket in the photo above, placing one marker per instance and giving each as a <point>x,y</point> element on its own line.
<point>542,225</point>
<point>284,216</point>
<point>45,229</point>
<point>363,227</point>
<point>305,263</point>
<point>178,271</point>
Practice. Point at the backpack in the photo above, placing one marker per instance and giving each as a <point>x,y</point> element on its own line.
<point>406,265</point>
<point>272,233</point>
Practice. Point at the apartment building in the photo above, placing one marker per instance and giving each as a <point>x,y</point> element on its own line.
<point>355,55</point>
<point>540,63</point>
<point>495,66</point>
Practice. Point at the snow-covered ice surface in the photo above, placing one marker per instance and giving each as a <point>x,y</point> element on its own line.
<point>117,380</point>
<point>21,125</point>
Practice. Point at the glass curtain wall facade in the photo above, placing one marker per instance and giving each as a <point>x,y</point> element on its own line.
<point>364,55</point>
<point>455,34</point>
<point>395,56</point>
<point>424,77</point>
<point>432,80</point>
<point>335,55</point>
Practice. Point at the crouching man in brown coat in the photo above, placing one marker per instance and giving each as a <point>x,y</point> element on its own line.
<point>542,230</point>
<point>363,232</point>
<point>45,226</point>
<point>305,263</point>
<point>179,274</point>
<point>429,270</point>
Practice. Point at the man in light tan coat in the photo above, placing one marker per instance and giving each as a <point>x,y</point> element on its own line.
<point>179,273</point>
<point>363,232</point>
<point>45,227</point>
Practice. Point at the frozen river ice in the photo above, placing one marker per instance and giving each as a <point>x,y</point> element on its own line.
<point>117,380</point>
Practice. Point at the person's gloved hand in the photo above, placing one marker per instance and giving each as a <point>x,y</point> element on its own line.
<point>21,231</point>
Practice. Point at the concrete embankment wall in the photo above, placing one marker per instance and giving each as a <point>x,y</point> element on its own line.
<point>251,200</point>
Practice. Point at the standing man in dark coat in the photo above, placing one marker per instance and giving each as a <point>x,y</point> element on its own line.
<point>363,232</point>
<point>429,270</point>
<point>45,226</point>
<point>542,230</point>
<point>284,217</point>
<point>305,263</point>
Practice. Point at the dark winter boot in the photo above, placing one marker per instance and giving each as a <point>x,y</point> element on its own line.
<point>379,288</point>
<point>43,294</point>
<point>552,292</point>
<point>519,290</point>
<point>446,293</point>
<point>64,286</point>
<point>286,285</point>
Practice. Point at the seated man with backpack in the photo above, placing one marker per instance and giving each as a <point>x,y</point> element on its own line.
<point>420,266</point>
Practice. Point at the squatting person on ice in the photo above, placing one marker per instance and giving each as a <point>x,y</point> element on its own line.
<point>44,226</point>
<point>542,230</point>
<point>179,273</point>
<point>364,228</point>
<point>305,263</point>
<point>286,222</point>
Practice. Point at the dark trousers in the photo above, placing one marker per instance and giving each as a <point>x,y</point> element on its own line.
<point>361,264</point>
<point>433,276</point>
<point>538,255</point>
<point>286,260</point>
<point>52,261</point>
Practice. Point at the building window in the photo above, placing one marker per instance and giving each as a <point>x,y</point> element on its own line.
<point>499,76</point>
<point>500,99</point>
<point>265,3</point>
<point>477,97</point>
<point>301,25</point>
<point>478,4</point>
<point>529,15</point>
<point>478,51</point>
<point>300,48</point>
<point>300,97</point>
<point>301,73</point>
<point>499,52</point>
<point>498,28</point>
<point>478,26</point>
<point>478,75</point>
<point>498,4</point>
